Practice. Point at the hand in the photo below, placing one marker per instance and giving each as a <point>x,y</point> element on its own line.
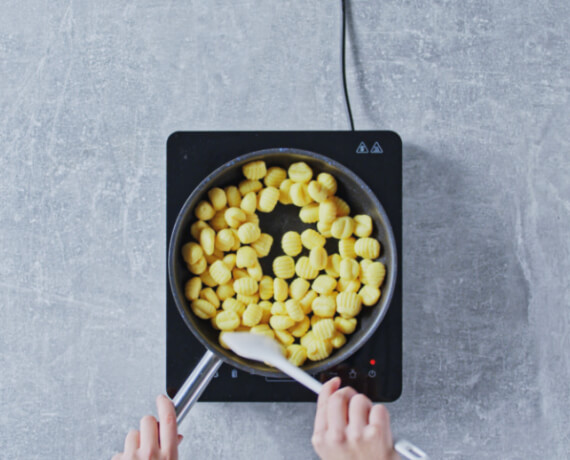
<point>155,441</point>
<point>349,427</point>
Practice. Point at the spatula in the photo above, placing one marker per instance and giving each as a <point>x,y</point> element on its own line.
<point>265,349</point>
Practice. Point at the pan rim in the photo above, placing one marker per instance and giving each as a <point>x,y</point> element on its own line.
<point>340,355</point>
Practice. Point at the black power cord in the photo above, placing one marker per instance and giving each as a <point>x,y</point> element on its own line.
<point>343,65</point>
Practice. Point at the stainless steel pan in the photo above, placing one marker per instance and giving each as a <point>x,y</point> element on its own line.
<point>284,218</point>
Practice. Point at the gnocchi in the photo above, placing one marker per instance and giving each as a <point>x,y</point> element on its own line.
<point>313,314</point>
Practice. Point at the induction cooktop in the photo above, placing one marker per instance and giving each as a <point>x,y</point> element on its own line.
<point>375,156</point>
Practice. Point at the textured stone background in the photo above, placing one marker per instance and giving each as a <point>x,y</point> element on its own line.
<point>479,92</point>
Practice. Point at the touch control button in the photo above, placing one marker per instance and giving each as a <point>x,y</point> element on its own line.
<point>372,373</point>
<point>352,374</point>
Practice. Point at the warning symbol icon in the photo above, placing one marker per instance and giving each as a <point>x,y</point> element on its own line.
<point>362,148</point>
<point>376,148</point>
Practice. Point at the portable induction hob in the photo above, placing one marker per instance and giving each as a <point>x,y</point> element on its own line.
<point>375,156</point>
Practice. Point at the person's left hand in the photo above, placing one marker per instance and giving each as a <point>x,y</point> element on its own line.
<point>154,441</point>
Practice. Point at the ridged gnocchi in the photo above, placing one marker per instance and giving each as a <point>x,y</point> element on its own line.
<point>313,314</point>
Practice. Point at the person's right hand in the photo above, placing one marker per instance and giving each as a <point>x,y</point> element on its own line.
<point>349,427</point>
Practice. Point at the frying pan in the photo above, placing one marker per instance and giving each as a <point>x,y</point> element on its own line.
<point>284,218</point>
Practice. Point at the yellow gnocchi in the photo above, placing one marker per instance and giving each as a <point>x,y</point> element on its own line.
<point>203,309</point>
<point>345,325</point>
<point>249,203</point>
<point>324,329</point>
<point>304,269</point>
<point>227,320</point>
<point>204,211</point>
<point>268,199</point>
<point>248,185</point>
<point>248,233</point>
<point>192,252</point>
<point>246,286</point>
<point>369,295</point>
<point>252,315</point>
<point>342,207</point>
<point>284,337</point>
<point>207,279</point>
<point>284,267</point>
<point>309,213</point>
<point>233,196</point>
<point>328,182</point>
<point>291,243</point>
<point>324,306</point>
<point>314,314</point>
<point>224,240</point>
<point>225,291</point>
<point>208,240</point>
<point>346,248</point>
<point>368,248</point>
<point>349,269</point>
<point>312,239</point>
<point>342,227</point>
<point>374,274</point>
<point>280,289</point>
<point>281,322</point>
<point>218,198</point>
<point>275,176</point>
<point>327,211</point>
<point>348,304</point>
<point>254,170</point>
<point>362,225</point>
<point>198,267</point>
<point>299,194</point>
<point>246,257</point>
<point>319,349</point>
<point>234,217</point>
<point>300,328</point>
<point>232,304</point>
<point>300,172</point>
<point>263,244</point>
<point>296,354</point>
<point>324,284</point>
<point>220,273</point>
<point>298,288</point>
<point>318,258</point>
<point>317,191</point>
<point>294,310</point>
<point>192,288</point>
<point>285,192</point>
<point>266,288</point>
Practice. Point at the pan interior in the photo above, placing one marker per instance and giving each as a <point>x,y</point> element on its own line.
<point>285,218</point>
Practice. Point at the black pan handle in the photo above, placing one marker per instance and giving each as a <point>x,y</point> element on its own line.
<point>195,384</point>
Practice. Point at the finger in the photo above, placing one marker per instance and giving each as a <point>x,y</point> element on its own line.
<point>321,416</point>
<point>117,457</point>
<point>358,413</point>
<point>149,434</point>
<point>337,413</point>
<point>168,429</point>
<point>380,418</point>
<point>132,442</point>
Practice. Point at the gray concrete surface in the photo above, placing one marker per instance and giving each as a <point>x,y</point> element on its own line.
<point>479,92</point>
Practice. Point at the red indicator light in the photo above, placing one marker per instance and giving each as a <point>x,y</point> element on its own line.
<point>372,362</point>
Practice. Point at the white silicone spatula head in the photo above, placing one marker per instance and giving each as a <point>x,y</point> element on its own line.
<point>253,346</point>
<point>265,349</point>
